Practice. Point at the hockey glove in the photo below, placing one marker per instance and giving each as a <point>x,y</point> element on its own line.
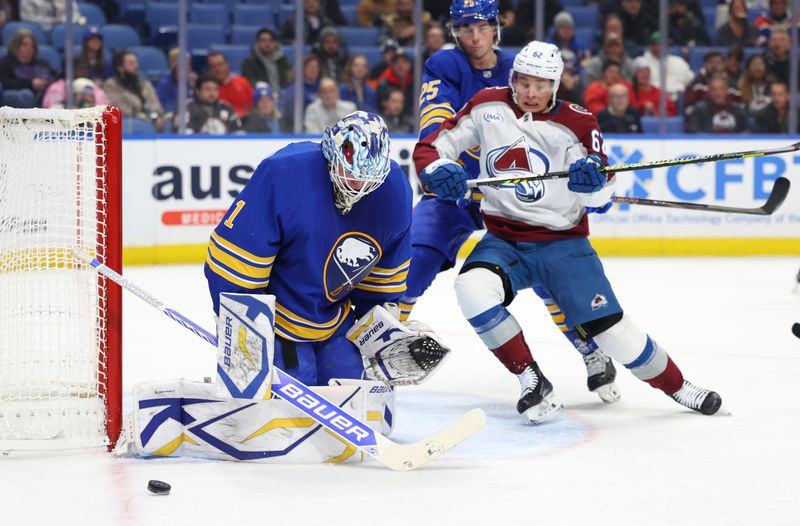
<point>599,209</point>
<point>445,178</point>
<point>585,176</point>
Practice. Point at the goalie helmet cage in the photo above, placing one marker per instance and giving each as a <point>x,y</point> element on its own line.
<point>60,322</point>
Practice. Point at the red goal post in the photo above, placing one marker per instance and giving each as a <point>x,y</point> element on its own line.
<point>60,323</point>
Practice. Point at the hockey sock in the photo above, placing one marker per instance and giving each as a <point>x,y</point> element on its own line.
<point>514,354</point>
<point>628,344</point>
<point>559,318</point>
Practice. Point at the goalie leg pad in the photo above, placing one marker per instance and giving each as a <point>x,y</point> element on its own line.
<point>185,418</point>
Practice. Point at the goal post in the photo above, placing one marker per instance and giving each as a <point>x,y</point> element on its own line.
<point>60,322</point>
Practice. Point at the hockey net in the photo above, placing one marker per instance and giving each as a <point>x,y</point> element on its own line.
<point>60,325</point>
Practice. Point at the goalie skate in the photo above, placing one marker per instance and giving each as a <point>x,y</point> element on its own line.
<point>600,376</point>
<point>698,399</point>
<point>537,401</point>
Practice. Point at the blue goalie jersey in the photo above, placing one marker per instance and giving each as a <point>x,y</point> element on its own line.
<point>284,236</point>
<point>448,83</point>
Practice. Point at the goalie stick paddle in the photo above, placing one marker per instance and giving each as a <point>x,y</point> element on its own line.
<point>498,181</point>
<point>399,457</point>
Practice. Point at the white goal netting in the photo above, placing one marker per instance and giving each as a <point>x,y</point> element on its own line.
<point>54,327</point>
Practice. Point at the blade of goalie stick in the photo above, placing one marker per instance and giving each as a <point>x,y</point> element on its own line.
<point>497,181</point>
<point>400,457</point>
<point>776,198</point>
<point>405,457</point>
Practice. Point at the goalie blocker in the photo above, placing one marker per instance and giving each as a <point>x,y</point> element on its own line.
<point>396,353</point>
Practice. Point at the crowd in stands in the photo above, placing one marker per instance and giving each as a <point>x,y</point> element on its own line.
<point>727,67</point>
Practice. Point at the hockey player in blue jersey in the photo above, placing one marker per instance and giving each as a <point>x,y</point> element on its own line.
<point>440,227</point>
<point>325,228</point>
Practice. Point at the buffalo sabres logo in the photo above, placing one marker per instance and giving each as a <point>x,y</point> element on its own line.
<point>350,260</point>
<point>519,159</point>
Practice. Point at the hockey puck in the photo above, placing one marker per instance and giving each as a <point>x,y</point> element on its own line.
<point>796,329</point>
<point>158,487</point>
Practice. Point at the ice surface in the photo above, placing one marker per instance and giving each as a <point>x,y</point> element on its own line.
<point>644,460</point>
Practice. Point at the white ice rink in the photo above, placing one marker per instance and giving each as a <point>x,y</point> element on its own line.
<point>642,461</point>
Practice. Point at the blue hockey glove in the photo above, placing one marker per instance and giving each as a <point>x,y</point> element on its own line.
<point>585,176</point>
<point>445,178</point>
<point>599,209</point>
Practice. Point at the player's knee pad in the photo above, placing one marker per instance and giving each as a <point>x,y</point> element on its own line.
<point>479,288</point>
<point>628,344</point>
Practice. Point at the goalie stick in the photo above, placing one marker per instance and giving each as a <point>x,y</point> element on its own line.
<point>399,457</point>
<point>495,182</point>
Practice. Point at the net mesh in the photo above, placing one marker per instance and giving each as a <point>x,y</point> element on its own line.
<point>52,310</point>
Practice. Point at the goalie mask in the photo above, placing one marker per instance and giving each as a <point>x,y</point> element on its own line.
<point>357,151</point>
<point>538,59</point>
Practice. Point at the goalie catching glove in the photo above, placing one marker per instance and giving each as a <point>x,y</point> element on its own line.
<point>398,354</point>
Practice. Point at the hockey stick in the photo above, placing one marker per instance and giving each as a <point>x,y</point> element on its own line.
<point>498,181</point>
<point>400,457</point>
<point>776,197</point>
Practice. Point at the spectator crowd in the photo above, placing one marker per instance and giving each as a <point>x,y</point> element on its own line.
<point>727,67</point>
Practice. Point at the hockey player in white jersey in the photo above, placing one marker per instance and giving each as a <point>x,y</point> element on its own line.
<point>537,231</point>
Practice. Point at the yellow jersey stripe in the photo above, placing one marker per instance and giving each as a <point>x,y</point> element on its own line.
<point>443,106</point>
<point>402,266</point>
<point>229,276</point>
<point>240,252</point>
<point>433,118</point>
<point>397,278</point>
<point>291,331</point>
<point>382,288</point>
<point>297,319</point>
<point>237,265</point>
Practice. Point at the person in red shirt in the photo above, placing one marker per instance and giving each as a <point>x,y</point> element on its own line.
<point>595,97</point>
<point>645,95</point>
<point>398,75</point>
<point>233,89</point>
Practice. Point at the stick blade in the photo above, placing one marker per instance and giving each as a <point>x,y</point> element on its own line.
<point>778,195</point>
<point>405,457</point>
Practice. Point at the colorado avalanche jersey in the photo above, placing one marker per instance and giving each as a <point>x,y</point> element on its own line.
<point>284,236</point>
<point>448,82</point>
<point>516,143</point>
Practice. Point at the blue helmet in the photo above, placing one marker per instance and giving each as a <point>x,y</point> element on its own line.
<point>466,12</point>
<point>357,151</point>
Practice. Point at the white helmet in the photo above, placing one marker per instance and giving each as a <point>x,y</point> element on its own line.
<point>538,59</point>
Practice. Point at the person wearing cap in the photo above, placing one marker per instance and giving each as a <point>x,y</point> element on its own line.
<point>167,86</point>
<point>399,25</point>
<point>388,50</point>
<point>56,94</point>
<point>327,109</point>
<point>563,37</point>
<point>263,118</point>
<point>93,52</point>
<point>330,51</point>
<point>613,49</point>
<point>679,73</point>
<point>267,62</point>
<point>646,97</point>
<point>206,113</point>
<point>399,75</point>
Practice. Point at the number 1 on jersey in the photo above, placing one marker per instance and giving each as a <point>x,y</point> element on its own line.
<point>229,222</point>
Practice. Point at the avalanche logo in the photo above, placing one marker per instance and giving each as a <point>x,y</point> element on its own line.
<point>599,302</point>
<point>521,160</point>
<point>350,260</point>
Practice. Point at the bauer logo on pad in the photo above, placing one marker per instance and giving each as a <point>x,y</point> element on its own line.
<point>245,330</point>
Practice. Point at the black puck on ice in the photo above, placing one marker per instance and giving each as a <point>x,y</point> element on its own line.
<point>158,487</point>
<point>796,329</point>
